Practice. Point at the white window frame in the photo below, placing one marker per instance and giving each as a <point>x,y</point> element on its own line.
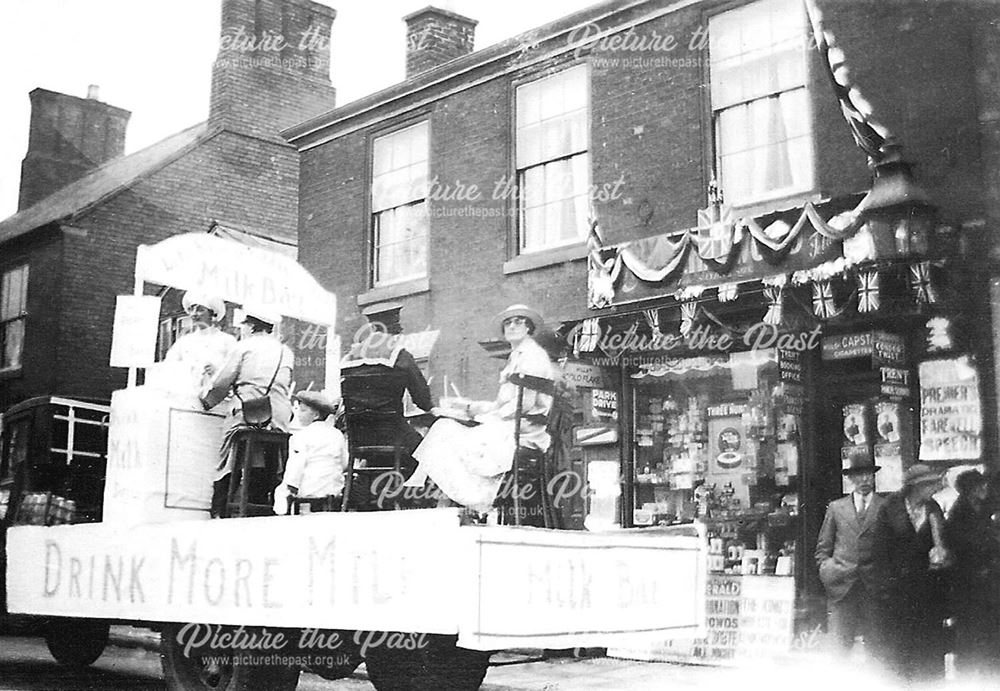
<point>13,314</point>
<point>397,188</point>
<point>536,155</point>
<point>770,34</point>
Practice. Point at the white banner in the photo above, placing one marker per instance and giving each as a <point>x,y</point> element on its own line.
<point>561,589</point>
<point>374,571</point>
<point>133,341</point>
<point>238,273</point>
<point>410,571</point>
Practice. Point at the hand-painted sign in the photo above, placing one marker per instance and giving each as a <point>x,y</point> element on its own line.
<point>951,417</point>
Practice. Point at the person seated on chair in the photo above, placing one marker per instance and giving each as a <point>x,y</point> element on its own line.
<point>261,365</point>
<point>468,463</point>
<point>202,351</point>
<point>317,457</point>
<point>376,374</point>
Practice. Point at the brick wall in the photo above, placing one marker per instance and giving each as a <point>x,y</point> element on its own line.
<point>649,126</point>
<point>232,179</point>
<point>43,255</point>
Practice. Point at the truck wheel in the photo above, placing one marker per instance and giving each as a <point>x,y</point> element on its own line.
<point>441,666</point>
<point>213,670</point>
<point>446,667</point>
<point>76,642</point>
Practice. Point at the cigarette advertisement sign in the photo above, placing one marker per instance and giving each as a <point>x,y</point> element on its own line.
<point>951,416</point>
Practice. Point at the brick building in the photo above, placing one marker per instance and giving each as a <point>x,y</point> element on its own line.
<point>703,137</point>
<point>84,208</point>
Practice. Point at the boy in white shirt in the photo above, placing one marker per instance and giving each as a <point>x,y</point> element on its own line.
<point>317,458</point>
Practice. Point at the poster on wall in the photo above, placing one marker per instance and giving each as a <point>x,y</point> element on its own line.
<point>855,425</point>
<point>728,460</point>
<point>950,413</point>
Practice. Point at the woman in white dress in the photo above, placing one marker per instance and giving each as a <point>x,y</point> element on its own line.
<point>468,463</point>
<point>203,351</point>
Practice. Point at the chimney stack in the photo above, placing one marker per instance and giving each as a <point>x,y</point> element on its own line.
<point>68,137</point>
<point>273,66</point>
<point>434,37</point>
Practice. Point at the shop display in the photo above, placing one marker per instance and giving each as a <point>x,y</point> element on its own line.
<point>728,456</point>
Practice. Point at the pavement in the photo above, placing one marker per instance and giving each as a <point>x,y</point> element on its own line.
<point>531,671</point>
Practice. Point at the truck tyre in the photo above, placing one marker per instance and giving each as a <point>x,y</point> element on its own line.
<point>197,671</point>
<point>447,667</point>
<point>76,642</point>
<point>441,666</point>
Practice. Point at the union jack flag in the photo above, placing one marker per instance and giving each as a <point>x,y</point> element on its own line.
<point>774,307</point>
<point>652,319</point>
<point>823,306</point>
<point>588,336</point>
<point>920,283</point>
<point>868,292</point>
<point>689,310</point>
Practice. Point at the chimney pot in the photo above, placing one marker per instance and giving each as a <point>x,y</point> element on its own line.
<point>92,92</point>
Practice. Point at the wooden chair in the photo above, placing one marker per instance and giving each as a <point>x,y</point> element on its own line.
<point>367,462</point>
<point>527,461</point>
<point>259,457</point>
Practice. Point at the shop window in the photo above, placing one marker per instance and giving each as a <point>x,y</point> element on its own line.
<point>13,314</point>
<point>717,439</point>
<point>552,159</point>
<point>399,206</point>
<point>760,102</point>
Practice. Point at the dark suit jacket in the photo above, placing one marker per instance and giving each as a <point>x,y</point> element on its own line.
<point>901,558</point>
<point>844,546</point>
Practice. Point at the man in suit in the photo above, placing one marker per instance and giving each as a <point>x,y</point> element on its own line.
<point>844,556</point>
<point>908,556</point>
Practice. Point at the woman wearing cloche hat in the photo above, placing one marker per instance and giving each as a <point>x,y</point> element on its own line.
<point>909,554</point>
<point>468,463</point>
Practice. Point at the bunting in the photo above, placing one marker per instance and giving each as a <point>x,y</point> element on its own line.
<point>822,300</point>
<point>728,291</point>
<point>653,320</point>
<point>868,134</point>
<point>920,283</point>
<point>689,310</point>
<point>588,335</point>
<point>773,295</point>
<point>868,292</point>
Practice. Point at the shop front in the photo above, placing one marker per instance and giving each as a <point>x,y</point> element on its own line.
<point>748,361</point>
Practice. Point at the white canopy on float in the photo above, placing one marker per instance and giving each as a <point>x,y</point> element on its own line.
<point>237,273</point>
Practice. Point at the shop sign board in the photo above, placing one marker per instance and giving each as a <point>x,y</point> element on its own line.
<point>790,366</point>
<point>585,375</point>
<point>847,346</point>
<point>950,412</point>
<point>895,382</point>
<point>750,618</point>
<point>604,404</point>
<point>889,349</point>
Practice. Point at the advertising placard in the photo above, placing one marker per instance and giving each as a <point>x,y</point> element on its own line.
<point>951,416</point>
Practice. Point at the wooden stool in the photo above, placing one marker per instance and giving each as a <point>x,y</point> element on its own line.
<point>259,457</point>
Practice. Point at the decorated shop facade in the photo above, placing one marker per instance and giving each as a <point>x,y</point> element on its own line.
<point>748,359</point>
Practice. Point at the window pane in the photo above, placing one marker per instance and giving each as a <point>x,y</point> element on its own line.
<point>13,344</point>
<point>558,104</point>
<point>759,100</point>
<point>399,167</point>
<point>555,202</point>
<point>401,243</point>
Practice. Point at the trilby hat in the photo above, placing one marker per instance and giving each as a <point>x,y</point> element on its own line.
<point>920,474</point>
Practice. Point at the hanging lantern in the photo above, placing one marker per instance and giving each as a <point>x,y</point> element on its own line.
<point>897,210</point>
<point>868,291</point>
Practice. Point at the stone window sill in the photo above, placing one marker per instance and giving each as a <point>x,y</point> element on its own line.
<point>538,260</point>
<point>396,290</point>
